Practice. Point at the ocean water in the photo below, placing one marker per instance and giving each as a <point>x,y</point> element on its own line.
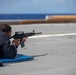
<point>26,16</point>
<point>21,16</point>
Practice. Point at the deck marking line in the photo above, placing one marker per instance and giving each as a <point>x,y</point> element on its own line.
<point>52,35</point>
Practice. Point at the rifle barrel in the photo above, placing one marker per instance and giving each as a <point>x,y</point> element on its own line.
<point>39,33</point>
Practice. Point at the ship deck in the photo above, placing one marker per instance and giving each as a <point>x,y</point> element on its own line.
<point>54,50</point>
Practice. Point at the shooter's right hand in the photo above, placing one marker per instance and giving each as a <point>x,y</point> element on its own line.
<point>16,42</point>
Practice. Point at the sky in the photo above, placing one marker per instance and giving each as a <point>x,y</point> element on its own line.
<point>37,6</point>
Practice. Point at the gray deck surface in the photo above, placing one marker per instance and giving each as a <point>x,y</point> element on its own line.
<point>54,51</point>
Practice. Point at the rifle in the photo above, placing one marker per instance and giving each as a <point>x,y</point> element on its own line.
<point>20,35</point>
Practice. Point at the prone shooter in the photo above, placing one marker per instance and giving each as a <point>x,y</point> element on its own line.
<point>8,49</point>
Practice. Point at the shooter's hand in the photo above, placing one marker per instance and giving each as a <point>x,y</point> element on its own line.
<point>24,39</point>
<point>16,42</point>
